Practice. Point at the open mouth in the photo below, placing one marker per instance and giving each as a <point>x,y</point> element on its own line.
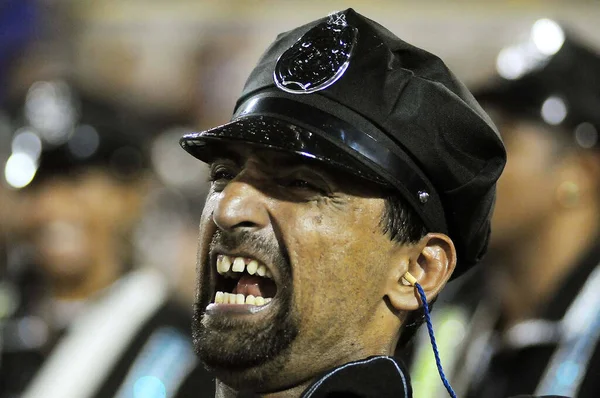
<point>243,281</point>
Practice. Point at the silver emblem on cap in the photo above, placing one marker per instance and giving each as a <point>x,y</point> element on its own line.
<point>318,59</point>
<point>423,197</point>
<point>337,18</point>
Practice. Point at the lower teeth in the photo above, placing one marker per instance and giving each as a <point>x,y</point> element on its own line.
<point>230,298</point>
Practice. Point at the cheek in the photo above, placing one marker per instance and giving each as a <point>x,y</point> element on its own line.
<point>525,190</point>
<point>334,259</point>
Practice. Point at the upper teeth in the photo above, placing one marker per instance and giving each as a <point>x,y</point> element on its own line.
<point>239,264</point>
<point>223,264</point>
<point>252,267</point>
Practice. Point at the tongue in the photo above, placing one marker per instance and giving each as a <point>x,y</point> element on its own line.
<point>256,286</point>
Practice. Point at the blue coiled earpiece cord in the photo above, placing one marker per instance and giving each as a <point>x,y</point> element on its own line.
<point>438,362</point>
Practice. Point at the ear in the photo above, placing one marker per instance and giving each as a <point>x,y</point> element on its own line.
<point>431,261</point>
<point>578,179</point>
<point>589,162</point>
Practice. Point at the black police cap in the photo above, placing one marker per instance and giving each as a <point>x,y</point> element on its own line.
<point>64,131</point>
<point>552,78</point>
<point>346,91</point>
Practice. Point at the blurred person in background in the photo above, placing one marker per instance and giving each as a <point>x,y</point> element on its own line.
<point>536,302</point>
<point>544,261</point>
<point>105,327</point>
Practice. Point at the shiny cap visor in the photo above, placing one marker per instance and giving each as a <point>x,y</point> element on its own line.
<point>272,133</point>
<point>275,123</point>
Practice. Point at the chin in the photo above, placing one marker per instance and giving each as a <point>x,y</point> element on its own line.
<point>262,377</point>
<point>243,354</point>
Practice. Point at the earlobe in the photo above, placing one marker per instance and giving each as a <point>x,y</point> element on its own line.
<point>430,262</point>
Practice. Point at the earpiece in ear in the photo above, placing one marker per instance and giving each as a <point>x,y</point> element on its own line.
<point>410,279</point>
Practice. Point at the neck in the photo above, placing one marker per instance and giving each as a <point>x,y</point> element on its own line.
<point>529,271</point>
<point>295,391</point>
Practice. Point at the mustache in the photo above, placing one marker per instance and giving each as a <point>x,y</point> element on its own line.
<point>260,246</point>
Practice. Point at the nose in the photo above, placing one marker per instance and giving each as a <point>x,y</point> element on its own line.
<point>241,206</point>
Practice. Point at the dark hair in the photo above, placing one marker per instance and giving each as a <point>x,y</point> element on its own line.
<point>402,224</point>
<point>400,221</point>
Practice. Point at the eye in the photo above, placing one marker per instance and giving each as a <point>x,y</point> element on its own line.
<point>220,175</point>
<point>302,185</point>
<point>299,183</point>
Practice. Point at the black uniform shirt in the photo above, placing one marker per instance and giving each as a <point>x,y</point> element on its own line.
<point>515,371</point>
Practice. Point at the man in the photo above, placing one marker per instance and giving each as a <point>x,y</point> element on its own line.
<point>104,328</point>
<point>539,317</point>
<point>354,161</point>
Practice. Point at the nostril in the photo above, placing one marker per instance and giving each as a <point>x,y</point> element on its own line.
<point>245,224</point>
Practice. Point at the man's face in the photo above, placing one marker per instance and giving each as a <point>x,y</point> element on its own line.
<point>526,193</point>
<point>317,233</point>
<point>75,221</point>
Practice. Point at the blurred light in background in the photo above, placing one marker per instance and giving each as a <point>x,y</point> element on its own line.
<point>547,36</point>
<point>50,109</point>
<point>51,113</point>
<point>19,170</point>
<point>149,387</point>
<point>85,142</point>
<point>21,166</point>
<point>554,111</point>
<point>586,135</point>
<point>545,39</point>
<point>28,142</point>
<point>511,63</point>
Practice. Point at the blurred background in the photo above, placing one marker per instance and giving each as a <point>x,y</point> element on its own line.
<point>145,71</point>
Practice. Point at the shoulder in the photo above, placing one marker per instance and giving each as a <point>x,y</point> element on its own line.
<point>164,359</point>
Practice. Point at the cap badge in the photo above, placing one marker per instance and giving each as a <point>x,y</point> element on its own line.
<point>318,59</point>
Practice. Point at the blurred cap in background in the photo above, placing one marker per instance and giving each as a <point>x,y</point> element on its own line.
<point>58,130</point>
<point>552,78</point>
